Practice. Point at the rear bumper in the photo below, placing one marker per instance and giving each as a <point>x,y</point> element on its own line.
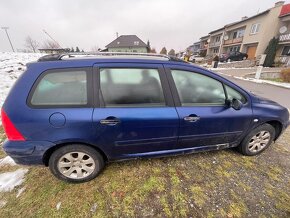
<point>27,152</point>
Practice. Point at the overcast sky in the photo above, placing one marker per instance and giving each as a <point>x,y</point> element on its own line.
<point>171,23</point>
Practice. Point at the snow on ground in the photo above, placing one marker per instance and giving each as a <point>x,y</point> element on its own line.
<point>7,161</point>
<point>11,67</point>
<point>8,181</point>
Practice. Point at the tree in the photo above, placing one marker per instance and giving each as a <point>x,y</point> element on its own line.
<point>83,50</point>
<point>72,49</point>
<point>77,49</point>
<point>163,51</point>
<point>271,52</point>
<point>50,44</point>
<point>171,52</point>
<point>148,46</point>
<point>153,50</point>
<point>31,44</point>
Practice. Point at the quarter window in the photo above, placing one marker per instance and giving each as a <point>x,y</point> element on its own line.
<point>130,87</point>
<point>197,89</point>
<point>61,88</point>
<point>235,94</point>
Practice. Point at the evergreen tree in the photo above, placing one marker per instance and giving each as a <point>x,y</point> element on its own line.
<point>77,49</point>
<point>72,49</point>
<point>82,50</point>
<point>148,46</point>
<point>163,51</point>
<point>271,52</point>
<point>171,52</point>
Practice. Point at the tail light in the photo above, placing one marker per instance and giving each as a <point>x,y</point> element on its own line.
<point>12,133</point>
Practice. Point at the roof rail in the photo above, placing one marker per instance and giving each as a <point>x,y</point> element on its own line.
<point>56,57</point>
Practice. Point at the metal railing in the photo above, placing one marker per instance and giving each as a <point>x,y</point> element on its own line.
<point>233,41</point>
<point>284,37</point>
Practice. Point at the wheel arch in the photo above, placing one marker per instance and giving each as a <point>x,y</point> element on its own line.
<point>277,126</point>
<point>48,153</point>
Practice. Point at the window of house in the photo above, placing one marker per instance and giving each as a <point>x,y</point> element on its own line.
<point>197,89</point>
<point>130,87</point>
<point>61,88</point>
<point>136,42</point>
<point>235,35</point>
<point>218,38</point>
<point>286,51</point>
<point>255,28</point>
<point>241,33</point>
<point>215,50</point>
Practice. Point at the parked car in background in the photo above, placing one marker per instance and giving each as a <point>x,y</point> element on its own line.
<point>196,59</point>
<point>74,114</point>
<point>233,56</point>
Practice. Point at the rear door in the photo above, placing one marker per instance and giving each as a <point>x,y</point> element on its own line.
<point>135,115</point>
<point>205,119</point>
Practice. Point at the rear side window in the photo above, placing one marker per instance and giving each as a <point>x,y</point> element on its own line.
<point>131,87</point>
<point>61,88</point>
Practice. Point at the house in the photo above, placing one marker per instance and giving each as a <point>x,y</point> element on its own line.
<point>250,35</point>
<point>194,49</point>
<point>127,43</point>
<point>203,45</point>
<point>283,52</point>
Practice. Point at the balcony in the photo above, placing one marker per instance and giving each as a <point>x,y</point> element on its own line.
<point>284,37</point>
<point>233,41</point>
<point>214,44</point>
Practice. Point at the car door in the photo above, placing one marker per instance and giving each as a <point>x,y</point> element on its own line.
<point>205,119</point>
<point>135,115</point>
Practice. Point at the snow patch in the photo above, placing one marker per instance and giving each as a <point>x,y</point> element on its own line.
<point>20,191</point>
<point>58,205</point>
<point>12,65</point>
<point>8,181</point>
<point>2,203</point>
<point>7,161</point>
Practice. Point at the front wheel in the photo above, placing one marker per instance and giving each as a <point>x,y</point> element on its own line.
<point>258,140</point>
<point>76,163</point>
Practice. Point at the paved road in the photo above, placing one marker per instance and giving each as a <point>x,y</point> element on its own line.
<point>244,71</point>
<point>278,94</point>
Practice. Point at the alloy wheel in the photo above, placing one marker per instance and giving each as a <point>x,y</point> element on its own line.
<point>259,141</point>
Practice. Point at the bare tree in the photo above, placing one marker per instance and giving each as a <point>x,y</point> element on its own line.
<point>31,44</point>
<point>50,44</point>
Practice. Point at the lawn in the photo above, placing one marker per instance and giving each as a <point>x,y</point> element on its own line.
<point>212,184</point>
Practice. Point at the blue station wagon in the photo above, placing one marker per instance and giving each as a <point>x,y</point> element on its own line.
<point>74,113</point>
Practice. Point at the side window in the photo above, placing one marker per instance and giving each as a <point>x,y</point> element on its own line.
<point>235,94</point>
<point>197,89</point>
<point>131,87</point>
<point>61,88</point>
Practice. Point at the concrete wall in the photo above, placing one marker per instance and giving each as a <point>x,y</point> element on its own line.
<point>129,49</point>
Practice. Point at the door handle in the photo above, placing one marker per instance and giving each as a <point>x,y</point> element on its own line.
<point>110,121</point>
<point>191,119</point>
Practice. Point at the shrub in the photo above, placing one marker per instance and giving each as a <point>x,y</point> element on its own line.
<point>285,74</point>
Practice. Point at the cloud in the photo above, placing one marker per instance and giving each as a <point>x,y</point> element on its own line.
<point>171,23</point>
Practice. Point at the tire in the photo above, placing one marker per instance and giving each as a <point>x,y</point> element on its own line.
<point>76,163</point>
<point>244,58</point>
<point>258,140</point>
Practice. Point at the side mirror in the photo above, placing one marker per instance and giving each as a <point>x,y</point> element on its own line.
<point>236,104</point>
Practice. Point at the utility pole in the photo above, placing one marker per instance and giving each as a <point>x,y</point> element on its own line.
<point>5,29</point>
<point>52,38</point>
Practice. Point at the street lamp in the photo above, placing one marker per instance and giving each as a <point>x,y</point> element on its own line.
<point>5,29</point>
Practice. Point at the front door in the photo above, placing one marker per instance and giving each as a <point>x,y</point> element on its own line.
<point>205,119</point>
<point>136,116</point>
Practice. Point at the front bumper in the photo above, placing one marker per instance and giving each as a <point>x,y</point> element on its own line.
<point>27,152</point>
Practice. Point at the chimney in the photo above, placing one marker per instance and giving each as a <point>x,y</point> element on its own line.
<point>279,3</point>
<point>244,17</point>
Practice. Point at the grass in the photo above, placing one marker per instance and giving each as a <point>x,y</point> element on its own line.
<point>213,184</point>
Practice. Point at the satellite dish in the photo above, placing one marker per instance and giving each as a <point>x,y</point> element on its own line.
<point>226,37</point>
<point>283,29</point>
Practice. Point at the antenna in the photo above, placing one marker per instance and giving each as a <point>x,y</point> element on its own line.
<point>52,38</point>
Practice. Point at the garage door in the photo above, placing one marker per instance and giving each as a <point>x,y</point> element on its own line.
<point>251,52</point>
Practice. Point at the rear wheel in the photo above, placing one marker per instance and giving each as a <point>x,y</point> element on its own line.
<point>258,140</point>
<point>76,163</point>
